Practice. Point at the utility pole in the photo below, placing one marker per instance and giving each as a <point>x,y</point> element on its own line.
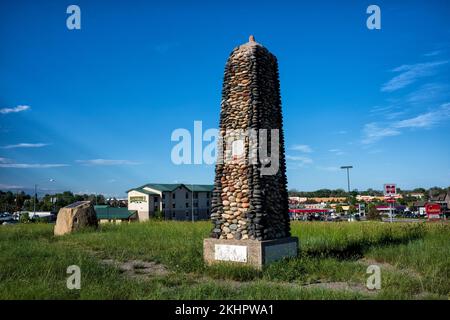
<point>192,202</point>
<point>348,176</point>
<point>34,200</point>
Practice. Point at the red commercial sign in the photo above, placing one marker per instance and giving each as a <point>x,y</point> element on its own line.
<point>433,210</point>
<point>390,189</point>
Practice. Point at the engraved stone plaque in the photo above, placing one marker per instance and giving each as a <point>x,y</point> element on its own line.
<point>234,253</point>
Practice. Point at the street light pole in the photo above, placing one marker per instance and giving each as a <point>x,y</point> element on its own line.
<point>192,202</point>
<point>34,200</point>
<point>348,176</point>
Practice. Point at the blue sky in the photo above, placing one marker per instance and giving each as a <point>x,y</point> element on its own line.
<point>94,108</point>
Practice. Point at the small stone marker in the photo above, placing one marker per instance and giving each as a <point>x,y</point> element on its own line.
<point>249,209</point>
<point>75,216</point>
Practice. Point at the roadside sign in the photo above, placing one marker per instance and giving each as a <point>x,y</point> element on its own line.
<point>390,193</point>
<point>362,209</point>
<point>433,211</point>
<point>390,189</point>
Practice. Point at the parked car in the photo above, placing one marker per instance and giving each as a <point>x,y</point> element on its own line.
<point>6,217</point>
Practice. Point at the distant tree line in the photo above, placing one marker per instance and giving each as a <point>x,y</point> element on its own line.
<point>341,193</point>
<point>19,201</point>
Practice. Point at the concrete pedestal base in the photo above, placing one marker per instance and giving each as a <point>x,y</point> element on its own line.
<point>249,252</point>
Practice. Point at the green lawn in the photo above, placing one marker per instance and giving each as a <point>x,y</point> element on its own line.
<point>414,260</point>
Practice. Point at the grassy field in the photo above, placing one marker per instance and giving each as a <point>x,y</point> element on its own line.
<point>163,260</point>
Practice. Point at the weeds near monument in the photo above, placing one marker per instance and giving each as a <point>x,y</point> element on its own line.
<point>414,256</point>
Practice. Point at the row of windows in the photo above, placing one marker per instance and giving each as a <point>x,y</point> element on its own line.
<point>208,195</point>
<point>187,213</point>
<point>187,205</point>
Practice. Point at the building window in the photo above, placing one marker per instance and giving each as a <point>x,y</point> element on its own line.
<point>187,213</point>
<point>207,203</point>
<point>163,205</point>
<point>195,195</point>
<point>156,207</point>
<point>163,196</point>
<point>187,195</point>
<point>173,214</point>
<point>173,195</point>
<point>173,205</point>
<point>187,205</point>
<point>155,199</point>
<point>195,204</point>
<point>208,195</point>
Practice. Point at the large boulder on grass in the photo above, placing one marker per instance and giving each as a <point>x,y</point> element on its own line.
<point>75,216</point>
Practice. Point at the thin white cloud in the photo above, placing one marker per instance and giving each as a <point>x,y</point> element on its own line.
<point>32,165</point>
<point>106,162</point>
<point>426,120</point>
<point>429,93</point>
<point>433,53</point>
<point>14,110</point>
<point>301,159</point>
<point>337,152</point>
<point>381,109</point>
<point>9,187</point>
<point>374,132</point>
<point>410,74</point>
<point>25,145</point>
<point>301,147</point>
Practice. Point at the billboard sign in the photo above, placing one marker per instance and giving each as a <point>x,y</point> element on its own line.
<point>433,211</point>
<point>390,189</point>
<point>433,208</point>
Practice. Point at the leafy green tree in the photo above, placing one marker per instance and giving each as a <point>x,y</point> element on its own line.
<point>158,215</point>
<point>25,218</point>
<point>373,213</point>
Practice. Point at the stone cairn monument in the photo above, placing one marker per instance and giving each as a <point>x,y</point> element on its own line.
<point>250,200</point>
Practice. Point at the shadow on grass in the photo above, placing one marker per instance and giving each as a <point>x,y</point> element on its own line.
<point>321,260</point>
<point>354,250</point>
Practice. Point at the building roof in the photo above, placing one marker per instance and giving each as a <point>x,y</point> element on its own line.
<point>107,212</point>
<point>142,190</point>
<point>439,197</point>
<point>200,187</point>
<point>162,187</point>
<point>418,204</point>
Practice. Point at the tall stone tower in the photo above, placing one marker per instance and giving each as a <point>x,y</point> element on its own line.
<point>250,199</point>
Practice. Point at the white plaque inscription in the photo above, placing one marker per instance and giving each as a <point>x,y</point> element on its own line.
<point>227,252</point>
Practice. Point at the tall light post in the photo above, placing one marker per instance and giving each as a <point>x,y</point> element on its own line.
<point>34,200</point>
<point>36,197</point>
<point>348,176</point>
<point>192,202</point>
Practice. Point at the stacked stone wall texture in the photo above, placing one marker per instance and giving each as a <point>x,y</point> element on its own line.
<point>246,204</point>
